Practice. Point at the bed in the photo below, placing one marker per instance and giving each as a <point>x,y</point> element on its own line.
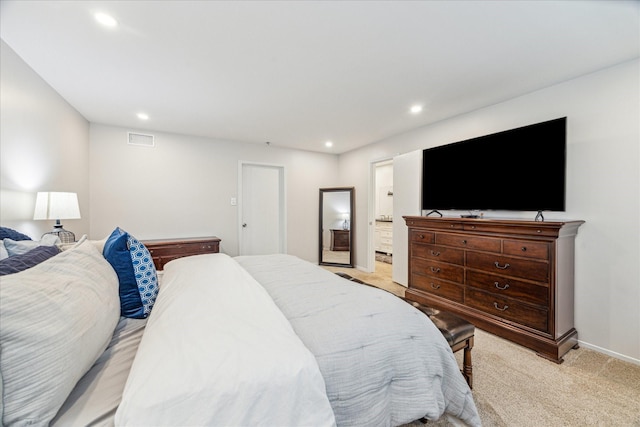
<point>261,340</point>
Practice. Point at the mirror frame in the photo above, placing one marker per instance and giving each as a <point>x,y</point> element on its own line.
<point>351,191</point>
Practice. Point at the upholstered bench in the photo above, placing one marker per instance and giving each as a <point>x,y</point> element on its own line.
<point>458,332</point>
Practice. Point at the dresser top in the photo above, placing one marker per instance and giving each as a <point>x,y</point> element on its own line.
<point>496,225</point>
<point>182,240</point>
<point>494,221</point>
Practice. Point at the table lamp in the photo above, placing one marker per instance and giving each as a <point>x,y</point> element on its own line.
<point>58,205</point>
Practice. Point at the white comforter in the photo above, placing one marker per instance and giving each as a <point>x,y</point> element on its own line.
<point>384,362</point>
<point>218,351</point>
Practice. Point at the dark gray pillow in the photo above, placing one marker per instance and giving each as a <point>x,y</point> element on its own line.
<point>35,256</point>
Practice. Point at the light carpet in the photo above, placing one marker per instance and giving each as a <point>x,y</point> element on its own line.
<point>515,387</point>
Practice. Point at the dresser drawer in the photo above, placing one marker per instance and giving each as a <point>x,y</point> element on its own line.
<point>532,270</point>
<point>527,249</point>
<point>438,270</point>
<point>509,287</point>
<point>441,288</point>
<point>507,309</point>
<point>386,234</point>
<point>469,242</point>
<point>421,236</point>
<point>386,241</point>
<point>387,249</point>
<point>439,253</point>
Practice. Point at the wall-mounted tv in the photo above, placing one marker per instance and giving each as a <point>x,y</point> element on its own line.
<point>520,169</point>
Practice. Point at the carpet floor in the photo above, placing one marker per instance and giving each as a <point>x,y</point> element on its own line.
<point>515,387</point>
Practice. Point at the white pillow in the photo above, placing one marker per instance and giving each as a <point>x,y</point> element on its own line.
<point>57,319</point>
<point>67,246</point>
<point>99,244</point>
<point>3,251</point>
<point>19,247</point>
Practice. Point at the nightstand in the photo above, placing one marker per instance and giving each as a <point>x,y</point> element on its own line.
<point>339,240</point>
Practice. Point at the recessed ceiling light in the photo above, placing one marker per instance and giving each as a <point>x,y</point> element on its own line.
<point>143,116</point>
<point>416,109</point>
<point>328,144</point>
<point>106,20</point>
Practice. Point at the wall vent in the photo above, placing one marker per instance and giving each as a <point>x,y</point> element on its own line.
<point>140,139</point>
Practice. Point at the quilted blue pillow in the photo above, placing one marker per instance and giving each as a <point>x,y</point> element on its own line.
<point>35,256</point>
<point>9,233</point>
<point>136,273</point>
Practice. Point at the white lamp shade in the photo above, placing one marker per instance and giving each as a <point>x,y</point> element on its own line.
<point>56,205</point>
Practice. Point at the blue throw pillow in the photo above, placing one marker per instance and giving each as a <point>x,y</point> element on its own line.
<point>136,273</point>
<point>8,233</point>
<point>35,256</point>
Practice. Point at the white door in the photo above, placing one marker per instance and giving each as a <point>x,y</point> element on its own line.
<point>262,209</point>
<point>407,170</point>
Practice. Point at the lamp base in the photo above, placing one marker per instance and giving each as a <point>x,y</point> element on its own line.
<point>65,236</point>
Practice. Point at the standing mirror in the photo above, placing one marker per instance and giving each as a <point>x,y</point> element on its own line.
<point>336,226</point>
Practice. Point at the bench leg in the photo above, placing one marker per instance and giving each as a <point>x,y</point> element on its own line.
<point>467,366</point>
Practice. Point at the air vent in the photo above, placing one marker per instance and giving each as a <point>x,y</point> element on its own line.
<point>141,139</point>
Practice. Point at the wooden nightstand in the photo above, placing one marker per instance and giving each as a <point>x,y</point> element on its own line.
<point>339,240</point>
<point>165,250</point>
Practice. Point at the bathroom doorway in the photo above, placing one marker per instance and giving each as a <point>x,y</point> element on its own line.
<point>383,217</point>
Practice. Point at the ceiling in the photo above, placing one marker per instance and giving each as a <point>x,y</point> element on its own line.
<point>300,73</point>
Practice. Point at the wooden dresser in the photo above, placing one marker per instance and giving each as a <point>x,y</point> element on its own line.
<point>509,277</point>
<point>165,250</point>
<point>340,240</point>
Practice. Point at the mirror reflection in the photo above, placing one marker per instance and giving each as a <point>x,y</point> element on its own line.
<point>336,226</point>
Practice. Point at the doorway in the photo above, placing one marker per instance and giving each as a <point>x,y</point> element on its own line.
<point>261,213</point>
<point>382,185</point>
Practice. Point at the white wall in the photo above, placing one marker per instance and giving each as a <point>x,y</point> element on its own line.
<point>603,188</point>
<point>183,187</point>
<point>44,146</point>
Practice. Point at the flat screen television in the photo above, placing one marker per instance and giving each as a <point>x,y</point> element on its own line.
<point>520,169</point>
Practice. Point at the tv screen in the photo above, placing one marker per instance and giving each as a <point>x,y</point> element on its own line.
<point>521,169</point>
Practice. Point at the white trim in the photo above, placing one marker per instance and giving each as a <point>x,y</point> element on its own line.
<point>609,353</point>
<point>283,203</point>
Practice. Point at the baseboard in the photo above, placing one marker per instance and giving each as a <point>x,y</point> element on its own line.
<point>363,269</point>
<point>609,353</point>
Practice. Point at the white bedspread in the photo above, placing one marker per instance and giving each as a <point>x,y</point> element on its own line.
<point>217,351</point>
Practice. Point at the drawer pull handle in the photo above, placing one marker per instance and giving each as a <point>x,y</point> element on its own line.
<point>495,304</point>
<point>434,286</point>
<point>501,267</point>
<point>421,236</point>
<point>435,269</point>
<point>435,253</point>
<point>464,242</point>
<point>506,286</point>
<point>523,249</point>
